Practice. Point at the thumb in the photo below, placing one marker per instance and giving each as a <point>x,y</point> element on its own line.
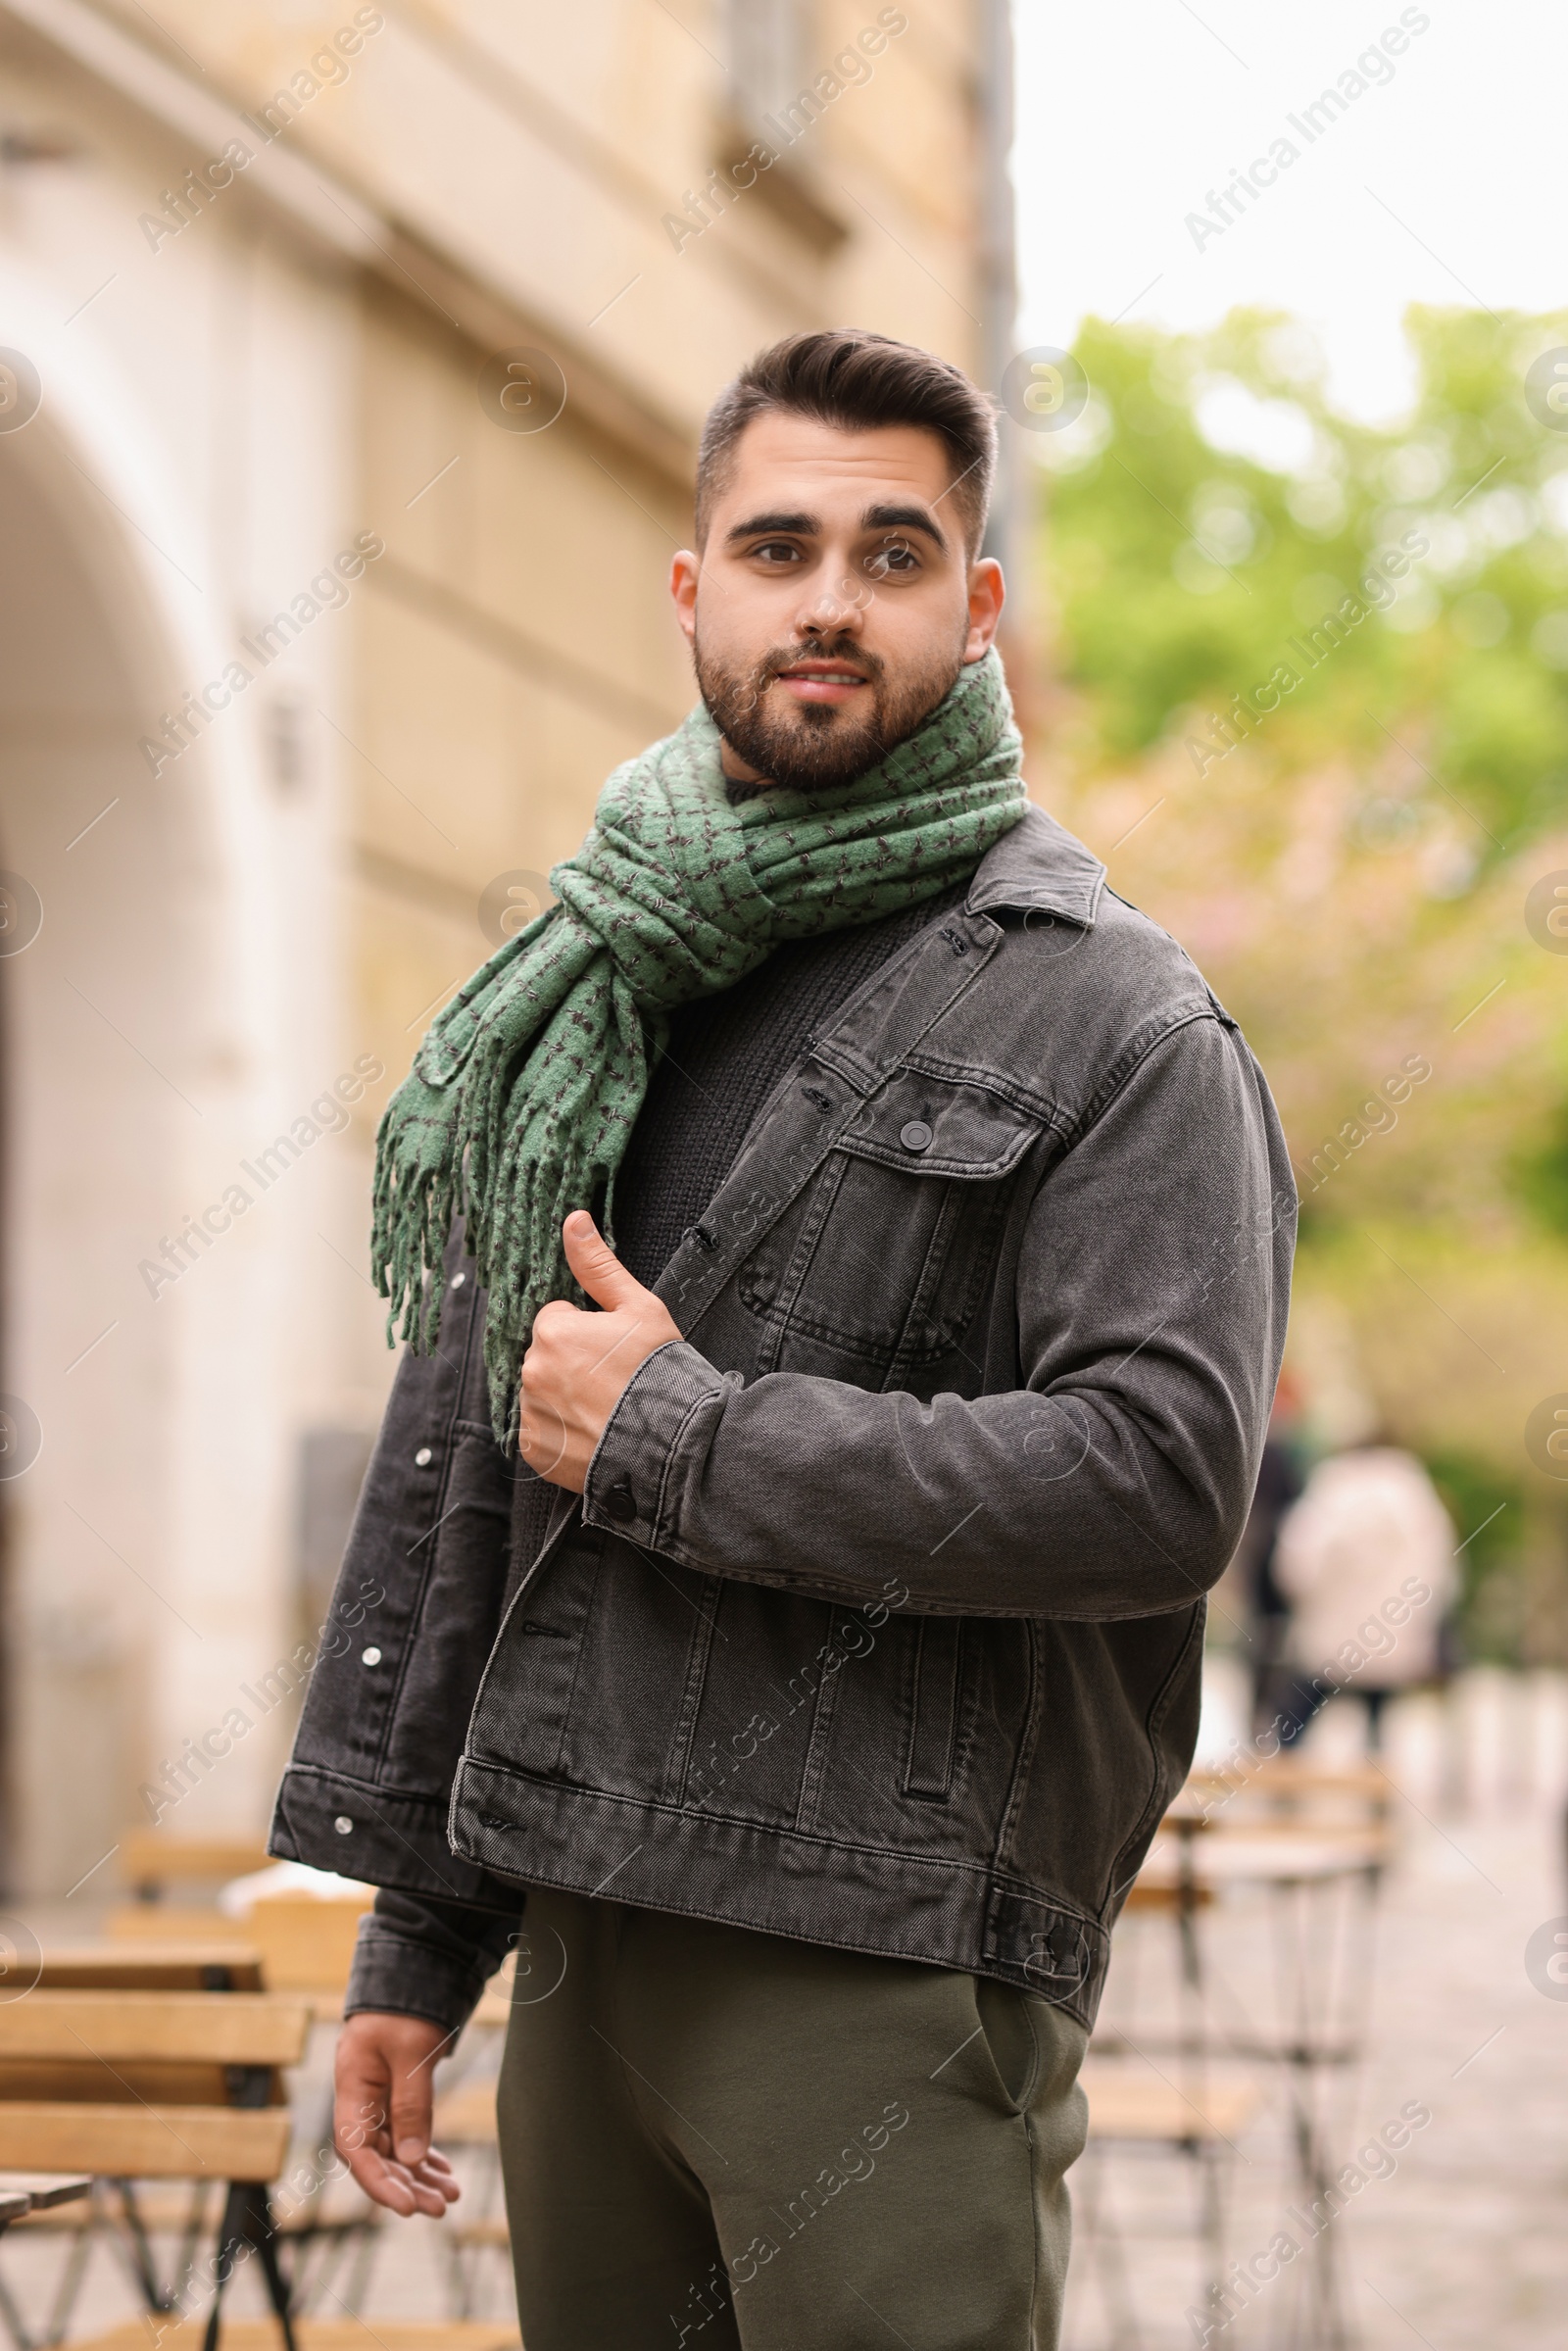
<point>596,1264</point>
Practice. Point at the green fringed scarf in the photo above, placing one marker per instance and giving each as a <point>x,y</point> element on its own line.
<point>524,1092</point>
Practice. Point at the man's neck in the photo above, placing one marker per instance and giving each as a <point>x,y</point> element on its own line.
<point>740,781</point>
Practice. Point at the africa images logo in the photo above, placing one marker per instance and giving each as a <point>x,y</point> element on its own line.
<point>1546,1959</point>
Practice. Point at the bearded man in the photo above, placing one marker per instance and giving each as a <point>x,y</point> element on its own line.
<point>844,1252</point>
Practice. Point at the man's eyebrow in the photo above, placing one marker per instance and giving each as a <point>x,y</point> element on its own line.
<point>799,527</point>
<point>903,518</point>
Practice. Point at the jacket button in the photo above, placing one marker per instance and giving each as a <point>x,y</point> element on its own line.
<point>424,1457</point>
<point>369,1656</point>
<point>343,1824</point>
<point>620,1501</point>
<point>916,1136</point>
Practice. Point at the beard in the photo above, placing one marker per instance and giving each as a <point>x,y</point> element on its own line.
<point>817,746</point>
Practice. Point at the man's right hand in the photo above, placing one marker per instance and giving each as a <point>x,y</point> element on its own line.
<point>385,2088</point>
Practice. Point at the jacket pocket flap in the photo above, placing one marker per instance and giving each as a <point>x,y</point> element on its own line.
<point>941,1127</point>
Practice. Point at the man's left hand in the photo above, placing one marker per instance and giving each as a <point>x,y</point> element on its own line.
<point>579,1364</point>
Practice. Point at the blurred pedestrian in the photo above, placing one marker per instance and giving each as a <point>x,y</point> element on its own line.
<point>1365,1559</point>
<point>1281,1476</point>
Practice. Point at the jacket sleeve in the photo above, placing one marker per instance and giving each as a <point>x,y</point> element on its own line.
<point>1113,1482</point>
<point>422,1957</point>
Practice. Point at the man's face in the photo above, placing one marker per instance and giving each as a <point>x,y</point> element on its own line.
<point>834,603</point>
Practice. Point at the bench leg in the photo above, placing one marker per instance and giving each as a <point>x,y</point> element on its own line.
<point>248,2221</point>
<point>140,2249</point>
<point>12,2321</point>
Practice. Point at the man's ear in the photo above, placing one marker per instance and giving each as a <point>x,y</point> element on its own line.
<point>684,574</point>
<point>987,594</point>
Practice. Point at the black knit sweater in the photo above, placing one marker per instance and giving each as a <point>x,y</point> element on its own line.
<point>725,1056</point>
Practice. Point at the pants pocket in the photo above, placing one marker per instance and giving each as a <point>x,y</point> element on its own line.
<point>1007,2033</point>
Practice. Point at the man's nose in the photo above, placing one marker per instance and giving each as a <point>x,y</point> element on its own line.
<point>837,602</point>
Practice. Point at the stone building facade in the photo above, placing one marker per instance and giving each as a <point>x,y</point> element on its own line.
<point>353,364</point>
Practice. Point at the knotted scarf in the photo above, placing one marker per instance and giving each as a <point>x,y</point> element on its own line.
<point>524,1092</point>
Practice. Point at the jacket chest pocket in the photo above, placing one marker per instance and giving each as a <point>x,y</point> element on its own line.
<point>882,1260</point>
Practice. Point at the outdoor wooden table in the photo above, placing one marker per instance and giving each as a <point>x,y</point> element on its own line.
<point>1287,1855</point>
<point>1310,1875</point>
<point>22,2192</point>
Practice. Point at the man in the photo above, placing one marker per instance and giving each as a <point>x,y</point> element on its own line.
<point>814,1681</point>
<point>1253,1572</point>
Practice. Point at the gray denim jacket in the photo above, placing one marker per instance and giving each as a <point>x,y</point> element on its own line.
<point>880,1623</point>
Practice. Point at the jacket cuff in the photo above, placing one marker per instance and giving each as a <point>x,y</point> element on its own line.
<point>394,1972</point>
<point>632,1483</point>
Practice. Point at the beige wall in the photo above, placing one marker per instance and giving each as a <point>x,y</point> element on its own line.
<point>226,409</point>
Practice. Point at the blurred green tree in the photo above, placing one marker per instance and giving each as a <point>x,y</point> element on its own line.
<point>1211,509</point>
<point>1306,691</point>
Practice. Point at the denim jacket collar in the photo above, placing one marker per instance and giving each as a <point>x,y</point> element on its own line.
<point>1038,864</point>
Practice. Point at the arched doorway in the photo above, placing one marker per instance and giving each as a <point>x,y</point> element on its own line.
<point>129,1026</point>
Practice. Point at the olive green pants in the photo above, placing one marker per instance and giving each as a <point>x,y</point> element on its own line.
<point>720,2138</point>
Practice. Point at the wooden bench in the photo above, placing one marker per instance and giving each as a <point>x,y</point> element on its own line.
<point>162,1872</point>
<point>306,1944</point>
<point>1127,2106</point>
<point>176,1922</point>
<point>302,1944</point>
<point>154,2074</point>
<point>153,1966</point>
<point>151,1860</point>
<point>466,2117</point>
<point>150,2084</point>
<point>130,2212</point>
<point>184,2211</point>
<point>1135,2112</point>
<point>320,2334</point>
<point>157,2086</point>
<point>476,2230</point>
<point>1287,1791</point>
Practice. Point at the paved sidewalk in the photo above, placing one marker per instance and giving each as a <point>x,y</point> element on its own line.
<point>1466,2243</point>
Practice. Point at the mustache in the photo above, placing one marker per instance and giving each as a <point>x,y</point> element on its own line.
<point>817,649</point>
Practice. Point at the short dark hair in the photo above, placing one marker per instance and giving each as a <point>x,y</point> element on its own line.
<point>846,376</point>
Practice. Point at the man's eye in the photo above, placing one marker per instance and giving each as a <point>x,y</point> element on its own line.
<point>893,561</point>
<point>777,550</point>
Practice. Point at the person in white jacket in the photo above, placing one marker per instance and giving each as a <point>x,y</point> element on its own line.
<point>1366,1559</point>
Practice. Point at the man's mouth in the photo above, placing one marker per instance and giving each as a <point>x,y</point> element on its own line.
<point>821,681</point>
